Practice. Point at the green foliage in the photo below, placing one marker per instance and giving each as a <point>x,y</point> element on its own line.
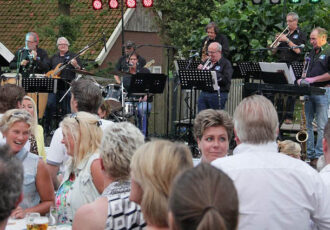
<point>247,26</point>
<point>180,18</point>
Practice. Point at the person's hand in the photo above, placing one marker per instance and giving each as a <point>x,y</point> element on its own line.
<point>74,63</point>
<point>283,38</point>
<point>310,79</point>
<point>24,62</point>
<point>200,66</point>
<point>34,54</point>
<point>18,213</point>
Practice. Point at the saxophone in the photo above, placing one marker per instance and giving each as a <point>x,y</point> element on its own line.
<point>204,51</point>
<point>302,135</point>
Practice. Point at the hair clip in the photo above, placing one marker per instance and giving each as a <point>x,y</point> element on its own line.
<point>99,123</point>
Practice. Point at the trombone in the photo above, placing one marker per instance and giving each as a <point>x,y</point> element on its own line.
<point>275,43</point>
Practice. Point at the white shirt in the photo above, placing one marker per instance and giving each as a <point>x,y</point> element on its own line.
<point>325,175</point>
<point>57,154</point>
<point>275,191</point>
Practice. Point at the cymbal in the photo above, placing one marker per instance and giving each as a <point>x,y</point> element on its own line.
<point>83,72</point>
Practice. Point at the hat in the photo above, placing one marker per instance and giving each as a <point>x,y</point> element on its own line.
<point>130,44</point>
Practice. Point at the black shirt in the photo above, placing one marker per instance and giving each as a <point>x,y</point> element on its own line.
<point>66,73</point>
<point>40,65</point>
<point>319,64</point>
<point>224,72</point>
<point>220,38</point>
<point>298,37</point>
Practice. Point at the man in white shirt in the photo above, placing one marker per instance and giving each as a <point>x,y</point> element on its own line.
<point>275,191</point>
<point>325,172</point>
<point>85,96</point>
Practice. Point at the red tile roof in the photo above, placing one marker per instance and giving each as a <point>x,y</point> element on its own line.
<point>17,17</point>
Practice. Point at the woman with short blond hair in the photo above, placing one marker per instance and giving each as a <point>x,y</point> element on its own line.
<point>153,169</point>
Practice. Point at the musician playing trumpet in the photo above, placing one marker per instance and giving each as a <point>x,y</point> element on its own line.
<point>293,36</point>
<point>224,70</point>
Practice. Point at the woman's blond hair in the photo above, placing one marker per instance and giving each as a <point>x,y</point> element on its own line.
<point>34,128</point>
<point>86,132</point>
<point>154,166</point>
<point>290,148</point>
<point>119,142</point>
<point>15,115</point>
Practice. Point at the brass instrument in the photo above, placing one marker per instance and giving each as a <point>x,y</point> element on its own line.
<point>276,42</point>
<point>302,135</point>
<point>207,65</point>
<point>204,51</point>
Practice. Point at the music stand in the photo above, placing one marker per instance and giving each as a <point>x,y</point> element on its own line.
<point>183,64</point>
<point>144,84</point>
<point>249,68</point>
<point>42,85</point>
<point>199,80</point>
<point>297,68</point>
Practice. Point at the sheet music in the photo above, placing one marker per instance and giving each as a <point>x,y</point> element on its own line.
<point>214,80</point>
<point>274,67</point>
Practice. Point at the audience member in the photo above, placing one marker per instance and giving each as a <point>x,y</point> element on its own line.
<point>37,132</point>
<point>11,97</point>
<point>203,198</point>
<point>289,148</point>
<point>153,168</point>
<point>119,142</point>
<point>275,191</point>
<point>10,193</point>
<point>38,190</point>
<point>104,110</point>
<point>213,130</point>
<point>325,172</point>
<point>83,180</point>
<point>85,96</point>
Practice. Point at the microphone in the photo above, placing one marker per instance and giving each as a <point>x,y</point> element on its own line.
<point>104,41</point>
<point>194,55</point>
<point>296,47</point>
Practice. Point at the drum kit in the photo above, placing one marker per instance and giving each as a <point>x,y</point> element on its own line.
<point>122,107</point>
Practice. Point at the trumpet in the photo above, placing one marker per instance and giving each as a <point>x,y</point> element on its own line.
<point>275,43</point>
<point>207,65</point>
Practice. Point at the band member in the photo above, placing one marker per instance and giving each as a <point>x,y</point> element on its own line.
<point>224,70</point>
<point>123,62</point>
<point>144,105</point>
<point>318,74</point>
<point>213,35</point>
<point>30,59</point>
<point>295,37</point>
<point>63,56</point>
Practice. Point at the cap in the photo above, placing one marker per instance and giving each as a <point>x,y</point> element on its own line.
<point>130,44</point>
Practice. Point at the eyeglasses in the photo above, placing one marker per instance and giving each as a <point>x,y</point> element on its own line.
<point>212,52</point>
<point>30,41</point>
<point>26,116</point>
<point>62,45</point>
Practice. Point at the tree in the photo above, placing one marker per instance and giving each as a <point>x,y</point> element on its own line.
<point>247,26</point>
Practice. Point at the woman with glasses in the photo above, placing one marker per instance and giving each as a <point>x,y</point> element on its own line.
<point>37,132</point>
<point>38,191</point>
<point>83,179</point>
